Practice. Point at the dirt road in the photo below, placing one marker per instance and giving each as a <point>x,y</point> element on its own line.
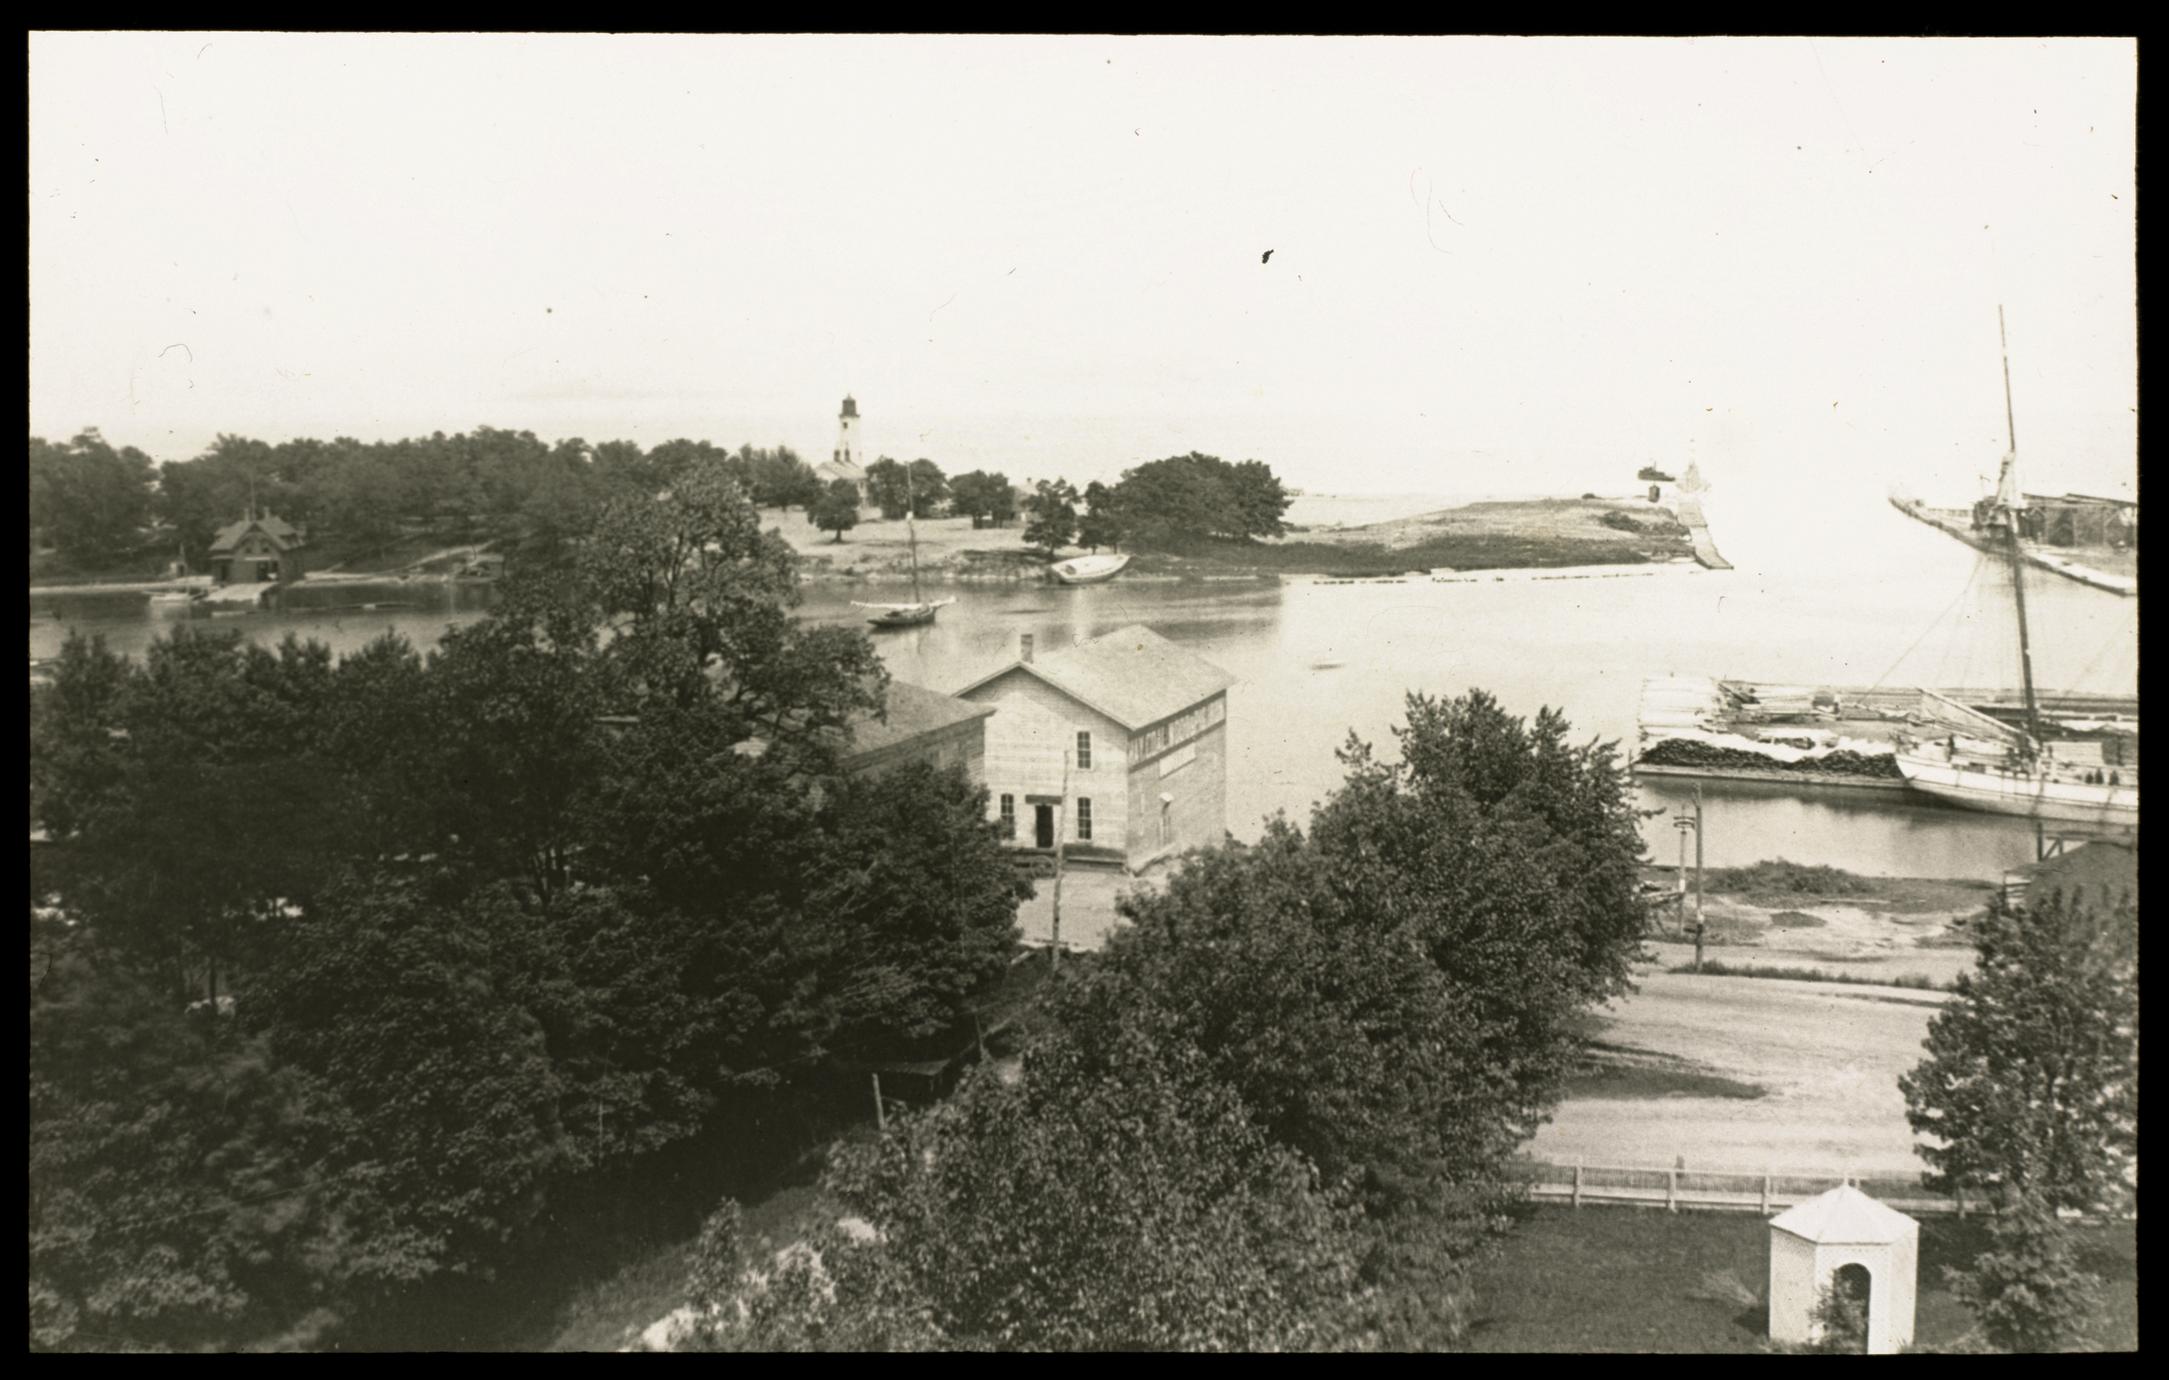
<point>1828,1056</point>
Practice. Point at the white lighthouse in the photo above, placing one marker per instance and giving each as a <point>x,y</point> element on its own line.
<point>847,462</point>
<point>847,433</point>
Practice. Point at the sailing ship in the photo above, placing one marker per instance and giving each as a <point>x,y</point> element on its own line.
<point>2031,777</point>
<point>918,613</point>
<point>1088,570</point>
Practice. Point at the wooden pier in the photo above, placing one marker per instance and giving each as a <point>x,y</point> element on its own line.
<point>1958,523</point>
<point>1698,531</point>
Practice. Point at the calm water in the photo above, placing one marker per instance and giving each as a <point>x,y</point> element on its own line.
<point>1832,588</point>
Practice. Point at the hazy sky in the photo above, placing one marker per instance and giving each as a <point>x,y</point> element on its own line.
<point>1505,265</point>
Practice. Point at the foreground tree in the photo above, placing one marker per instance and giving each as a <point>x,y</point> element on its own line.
<point>1396,997</point>
<point>186,1189</point>
<point>1072,1211</point>
<point>2030,1090</point>
<point>2027,1290</point>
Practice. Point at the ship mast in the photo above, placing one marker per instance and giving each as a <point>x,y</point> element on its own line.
<point>2007,500</point>
<point>911,526</point>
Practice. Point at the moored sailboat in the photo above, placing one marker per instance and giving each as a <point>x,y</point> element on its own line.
<point>2034,777</point>
<point>918,613</point>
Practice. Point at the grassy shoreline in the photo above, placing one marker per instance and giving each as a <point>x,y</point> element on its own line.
<point>1528,534</point>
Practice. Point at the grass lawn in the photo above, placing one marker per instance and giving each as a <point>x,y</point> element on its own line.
<point>1632,1279</point>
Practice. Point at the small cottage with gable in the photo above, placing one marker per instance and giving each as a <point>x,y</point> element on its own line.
<point>1142,725</point>
<point>258,550</point>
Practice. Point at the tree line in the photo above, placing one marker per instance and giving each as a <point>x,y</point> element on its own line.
<point>1171,504</point>
<point>93,501</point>
<point>347,973</point>
<point>97,504</point>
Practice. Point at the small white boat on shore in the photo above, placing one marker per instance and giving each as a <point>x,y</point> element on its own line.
<point>1089,570</point>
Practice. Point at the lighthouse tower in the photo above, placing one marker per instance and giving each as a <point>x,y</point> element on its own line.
<point>848,462</point>
<point>847,433</point>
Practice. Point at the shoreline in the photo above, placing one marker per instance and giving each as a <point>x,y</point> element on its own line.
<point>1568,537</point>
<point>1556,538</point>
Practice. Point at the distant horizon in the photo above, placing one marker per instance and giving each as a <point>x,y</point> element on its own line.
<point>1376,265</point>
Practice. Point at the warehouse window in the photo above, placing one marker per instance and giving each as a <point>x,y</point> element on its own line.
<point>1084,819</point>
<point>1084,751</point>
<point>1009,816</point>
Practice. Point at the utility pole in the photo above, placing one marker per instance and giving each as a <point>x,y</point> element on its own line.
<point>881,1113</point>
<point>1698,877</point>
<point>1061,823</point>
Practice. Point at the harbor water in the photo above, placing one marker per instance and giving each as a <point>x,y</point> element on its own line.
<point>1315,662</point>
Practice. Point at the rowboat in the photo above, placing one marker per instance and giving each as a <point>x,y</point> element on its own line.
<point>904,615</point>
<point>1089,570</point>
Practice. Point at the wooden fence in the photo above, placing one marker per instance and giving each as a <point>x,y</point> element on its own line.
<point>1766,1191</point>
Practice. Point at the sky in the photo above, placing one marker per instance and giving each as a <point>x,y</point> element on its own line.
<point>1496,265</point>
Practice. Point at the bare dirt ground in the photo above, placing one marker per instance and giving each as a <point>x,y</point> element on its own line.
<point>1827,1054</point>
<point>878,550</point>
<point>1895,927</point>
<point>1088,906</point>
<point>1828,1057</point>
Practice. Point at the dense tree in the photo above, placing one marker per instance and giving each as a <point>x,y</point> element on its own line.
<point>983,497</point>
<point>76,755</point>
<point>87,498</point>
<point>838,510</point>
<point>1499,858</point>
<point>1102,523</point>
<point>397,994</point>
<point>1052,510</point>
<point>186,1189</point>
<point>1069,1210</point>
<point>2031,1085</point>
<point>929,488</point>
<point>2027,1290</point>
<point>1186,497</point>
<point>887,487</point>
<point>781,479</point>
<point>211,805</point>
<point>919,897</point>
<point>579,883</point>
<point>697,599</point>
<point>515,702</point>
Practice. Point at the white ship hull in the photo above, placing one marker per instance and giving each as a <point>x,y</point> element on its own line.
<point>1089,570</point>
<point>2023,794</point>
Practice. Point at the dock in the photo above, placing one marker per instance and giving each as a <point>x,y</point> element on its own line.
<point>1844,735</point>
<point>250,594</point>
<point>1958,523</point>
<point>1689,511</point>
